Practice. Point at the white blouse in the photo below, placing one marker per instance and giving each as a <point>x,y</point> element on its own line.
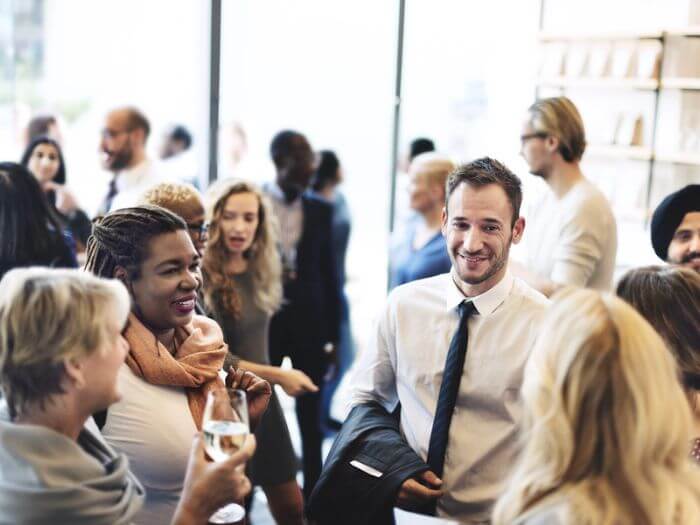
<point>153,426</point>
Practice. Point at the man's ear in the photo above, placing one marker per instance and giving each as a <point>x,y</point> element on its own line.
<point>518,229</point>
<point>444,222</point>
<point>552,143</point>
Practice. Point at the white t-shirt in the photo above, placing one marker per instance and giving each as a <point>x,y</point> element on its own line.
<point>573,240</point>
<point>153,426</point>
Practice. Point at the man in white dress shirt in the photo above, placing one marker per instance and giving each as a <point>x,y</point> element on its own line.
<point>406,363</point>
<point>123,147</point>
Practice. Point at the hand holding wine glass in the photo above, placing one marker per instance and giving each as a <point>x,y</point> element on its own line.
<point>211,485</point>
<point>225,427</point>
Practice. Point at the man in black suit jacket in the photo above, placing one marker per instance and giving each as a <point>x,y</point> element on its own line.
<point>306,327</point>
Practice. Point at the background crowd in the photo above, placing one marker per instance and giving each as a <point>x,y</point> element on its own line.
<point>539,390</point>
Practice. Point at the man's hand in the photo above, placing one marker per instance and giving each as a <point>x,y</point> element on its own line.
<point>209,485</point>
<point>419,491</point>
<point>257,390</point>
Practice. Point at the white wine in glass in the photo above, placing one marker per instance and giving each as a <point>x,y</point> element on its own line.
<point>225,427</point>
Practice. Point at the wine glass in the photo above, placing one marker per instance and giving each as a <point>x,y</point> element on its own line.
<point>225,427</point>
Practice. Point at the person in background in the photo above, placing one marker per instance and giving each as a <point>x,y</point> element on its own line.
<point>421,251</point>
<point>242,290</point>
<point>324,185</point>
<point>177,140</point>
<point>419,146</point>
<point>402,211</point>
<point>174,355</point>
<point>606,425</point>
<point>306,327</point>
<point>60,352</point>
<point>123,148</point>
<point>572,234</point>
<point>234,148</point>
<point>177,156</point>
<point>44,159</point>
<point>43,125</point>
<point>453,347</point>
<point>675,228</point>
<point>669,299</point>
<point>31,234</point>
<point>184,201</point>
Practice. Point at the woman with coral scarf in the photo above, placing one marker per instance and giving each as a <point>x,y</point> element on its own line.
<point>175,356</point>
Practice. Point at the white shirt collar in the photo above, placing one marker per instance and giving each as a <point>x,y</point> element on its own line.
<point>130,177</point>
<point>486,302</point>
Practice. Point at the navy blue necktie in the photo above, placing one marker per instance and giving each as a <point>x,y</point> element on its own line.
<point>449,388</point>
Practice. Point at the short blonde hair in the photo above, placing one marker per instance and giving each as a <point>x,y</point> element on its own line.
<point>432,167</point>
<point>46,317</point>
<point>558,117</point>
<point>180,198</point>
<point>607,427</point>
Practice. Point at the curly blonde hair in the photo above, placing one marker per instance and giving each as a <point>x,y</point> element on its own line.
<point>607,428</point>
<point>180,198</point>
<point>263,256</point>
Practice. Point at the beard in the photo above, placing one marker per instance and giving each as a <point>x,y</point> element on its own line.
<point>498,264</point>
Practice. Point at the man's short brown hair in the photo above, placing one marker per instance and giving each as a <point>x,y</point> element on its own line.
<point>485,171</point>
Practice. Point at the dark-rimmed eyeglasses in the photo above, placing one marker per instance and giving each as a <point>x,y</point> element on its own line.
<point>200,230</point>
<point>529,136</point>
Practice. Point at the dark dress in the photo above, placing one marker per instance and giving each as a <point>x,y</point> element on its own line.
<point>274,461</point>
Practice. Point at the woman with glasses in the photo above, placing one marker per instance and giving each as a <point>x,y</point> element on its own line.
<point>242,289</point>
<point>184,201</point>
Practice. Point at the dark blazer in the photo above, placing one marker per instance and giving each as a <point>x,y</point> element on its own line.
<point>345,494</point>
<point>310,314</point>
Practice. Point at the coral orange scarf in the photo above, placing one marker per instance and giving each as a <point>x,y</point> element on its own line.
<point>195,366</point>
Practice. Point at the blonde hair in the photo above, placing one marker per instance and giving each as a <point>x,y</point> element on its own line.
<point>46,317</point>
<point>558,117</point>
<point>263,257</point>
<point>432,167</point>
<point>179,198</point>
<point>607,428</point>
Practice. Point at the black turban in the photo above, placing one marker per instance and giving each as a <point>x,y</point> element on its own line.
<point>669,215</point>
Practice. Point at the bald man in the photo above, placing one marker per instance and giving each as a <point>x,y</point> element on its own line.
<point>123,148</point>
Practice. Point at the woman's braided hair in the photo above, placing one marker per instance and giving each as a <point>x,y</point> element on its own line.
<point>121,238</point>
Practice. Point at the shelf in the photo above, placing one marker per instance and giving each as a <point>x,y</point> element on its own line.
<point>607,82</point>
<point>690,31</point>
<point>619,152</point>
<point>691,159</point>
<point>547,36</point>
<point>688,83</point>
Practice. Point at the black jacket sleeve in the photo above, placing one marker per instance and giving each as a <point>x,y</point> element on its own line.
<point>348,495</point>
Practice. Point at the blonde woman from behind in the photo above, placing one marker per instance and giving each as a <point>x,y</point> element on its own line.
<point>606,426</point>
